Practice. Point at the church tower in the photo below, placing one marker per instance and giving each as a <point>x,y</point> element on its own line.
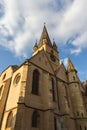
<point>46,45</point>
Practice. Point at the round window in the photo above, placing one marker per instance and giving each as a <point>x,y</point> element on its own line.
<point>17,79</point>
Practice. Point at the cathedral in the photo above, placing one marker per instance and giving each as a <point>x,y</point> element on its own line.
<point>41,94</point>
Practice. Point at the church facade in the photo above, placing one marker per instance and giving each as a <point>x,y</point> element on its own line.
<point>41,94</point>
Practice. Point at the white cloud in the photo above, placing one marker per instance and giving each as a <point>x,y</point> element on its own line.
<point>65,61</point>
<point>75,51</point>
<point>23,20</point>
<point>74,24</point>
<point>74,19</point>
<point>83,75</point>
<point>81,40</point>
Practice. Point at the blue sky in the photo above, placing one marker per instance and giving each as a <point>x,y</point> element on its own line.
<point>21,23</point>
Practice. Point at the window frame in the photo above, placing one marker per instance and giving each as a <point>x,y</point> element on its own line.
<point>53,90</point>
<point>35,119</point>
<point>9,121</point>
<point>35,82</point>
<point>1,91</point>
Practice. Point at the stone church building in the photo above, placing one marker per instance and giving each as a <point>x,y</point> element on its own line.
<point>41,94</point>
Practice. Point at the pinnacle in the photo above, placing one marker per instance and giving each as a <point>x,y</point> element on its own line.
<point>70,66</point>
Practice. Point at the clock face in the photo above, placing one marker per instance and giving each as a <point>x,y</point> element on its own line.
<point>52,57</point>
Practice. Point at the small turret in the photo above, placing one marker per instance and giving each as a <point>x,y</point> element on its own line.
<point>54,45</point>
<point>72,72</point>
<point>35,47</point>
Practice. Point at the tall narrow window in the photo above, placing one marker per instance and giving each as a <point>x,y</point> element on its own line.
<point>73,77</point>
<point>53,89</point>
<point>4,76</point>
<point>9,120</point>
<point>80,127</point>
<point>82,114</point>
<point>35,82</point>
<point>1,91</point>
<point>35,119</point>
<point>77,113</point>
<point>55,123</point>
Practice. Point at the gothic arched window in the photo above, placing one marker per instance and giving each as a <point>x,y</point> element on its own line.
<point>35,119</point>
<point>35,82</point>
<point>73,77</point>
<point>80,127</point>
<point>85,128</point>
<point>1,91</point>
<point>53,89</point>
<point>9,120</point>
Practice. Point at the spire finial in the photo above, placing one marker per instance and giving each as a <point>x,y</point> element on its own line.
<point>44,23</point>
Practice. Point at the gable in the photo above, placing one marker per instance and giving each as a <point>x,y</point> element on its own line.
<point>41,61</point>
<point>61,73</point>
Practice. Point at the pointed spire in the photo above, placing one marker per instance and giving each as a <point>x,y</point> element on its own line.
<point>44,37</point>
<point>70,66</point>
